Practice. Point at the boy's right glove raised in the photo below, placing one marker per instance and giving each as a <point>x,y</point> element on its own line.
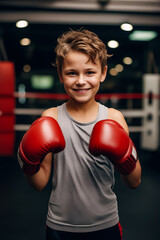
<point>43,136</point>
<point>108,138</point>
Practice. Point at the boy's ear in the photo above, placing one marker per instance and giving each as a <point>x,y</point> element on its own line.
<point>104,73</point>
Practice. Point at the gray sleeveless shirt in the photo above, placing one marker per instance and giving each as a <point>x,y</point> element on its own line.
<point>82,198</point>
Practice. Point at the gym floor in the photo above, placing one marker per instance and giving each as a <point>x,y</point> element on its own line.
<point>23,210</point>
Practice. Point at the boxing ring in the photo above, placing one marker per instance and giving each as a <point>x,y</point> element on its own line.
<point>149,113</point>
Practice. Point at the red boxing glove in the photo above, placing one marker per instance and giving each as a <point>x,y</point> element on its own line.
<point>110,139</point>
<point>43,136</point>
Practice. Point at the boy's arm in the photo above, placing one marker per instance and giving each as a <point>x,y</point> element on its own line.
<point>40,179</point>
<point>133,179</point>
<point>110,137</point>
<point>37,147</point>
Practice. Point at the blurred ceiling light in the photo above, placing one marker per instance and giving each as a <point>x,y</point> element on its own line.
<point>127,60</point>
<point>21,24</point>
<point>25,41</point>
<point>126,27</point>
<point>113,44</point>
<point>27,68</point>
<point>119,68</point>
<point>143,35</point>
<point>113,72</point>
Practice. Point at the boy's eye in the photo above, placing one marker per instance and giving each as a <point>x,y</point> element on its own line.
<point>71,73</point>
<point>90,72</point>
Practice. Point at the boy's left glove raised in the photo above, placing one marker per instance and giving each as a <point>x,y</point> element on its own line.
<point>108,138</point>
<point>43,136</point>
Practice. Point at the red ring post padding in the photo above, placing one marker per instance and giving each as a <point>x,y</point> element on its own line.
<point>7,105</point>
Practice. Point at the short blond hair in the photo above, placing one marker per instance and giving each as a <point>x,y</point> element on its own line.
<point>84,41</point>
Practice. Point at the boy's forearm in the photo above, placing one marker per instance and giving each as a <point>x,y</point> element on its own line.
<point>133,179</point>
<point>39,180</point>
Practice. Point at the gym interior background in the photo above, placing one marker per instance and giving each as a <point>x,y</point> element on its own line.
<point>136,52</point>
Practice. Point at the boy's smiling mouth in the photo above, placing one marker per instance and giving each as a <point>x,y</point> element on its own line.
<point>81,90</point>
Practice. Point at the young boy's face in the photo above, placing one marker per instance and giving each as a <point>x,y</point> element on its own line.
<point>81,78</point>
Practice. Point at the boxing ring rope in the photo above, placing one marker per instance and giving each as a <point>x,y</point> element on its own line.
<point>37,112</point>
<point>100,96</point>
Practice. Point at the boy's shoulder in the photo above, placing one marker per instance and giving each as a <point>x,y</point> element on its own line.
<point>50,112</point>
<point>116,115</point>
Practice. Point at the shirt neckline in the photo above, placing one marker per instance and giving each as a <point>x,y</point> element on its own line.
<point>80,123</point>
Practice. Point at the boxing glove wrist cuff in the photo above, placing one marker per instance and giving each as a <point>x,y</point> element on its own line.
<point>27,167</point>
<point>128,163</point>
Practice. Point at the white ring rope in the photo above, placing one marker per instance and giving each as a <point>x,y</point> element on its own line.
<point>35,112</point>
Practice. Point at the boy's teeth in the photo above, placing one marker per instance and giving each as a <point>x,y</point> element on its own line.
<point>80,90</point>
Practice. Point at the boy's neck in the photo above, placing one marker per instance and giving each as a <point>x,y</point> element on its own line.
<point>83,112</point>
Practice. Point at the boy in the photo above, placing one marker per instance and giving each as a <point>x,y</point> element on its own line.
<point>86,141</point>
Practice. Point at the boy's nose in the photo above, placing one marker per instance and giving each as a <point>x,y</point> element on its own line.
<point>80,80</point>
